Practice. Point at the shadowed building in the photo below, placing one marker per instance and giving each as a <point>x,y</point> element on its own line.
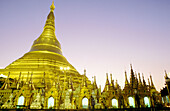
<point>136,93</point>
<point>165,91</point>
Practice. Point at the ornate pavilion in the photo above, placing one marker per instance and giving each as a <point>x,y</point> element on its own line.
<point>44,79</point>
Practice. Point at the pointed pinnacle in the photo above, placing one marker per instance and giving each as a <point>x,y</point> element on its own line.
<point>111,77</point>
<point>148,82</point>
<point>52,7</point>
<point>84,71</point>
<point>131,66</point>
<point>166,75</point>
<point>107,75</point>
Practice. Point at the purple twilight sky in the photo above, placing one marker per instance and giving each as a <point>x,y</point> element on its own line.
<point>98,35</point>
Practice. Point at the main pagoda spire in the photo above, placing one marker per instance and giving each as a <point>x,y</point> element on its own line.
<point>46,57</point>
<point>47,41</point>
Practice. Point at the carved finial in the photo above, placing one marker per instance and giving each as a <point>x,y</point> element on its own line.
<point>166,75</point>
<point>94,83</point>
<point>31,78</point>
<point>152,85</point>
<point>131,66</point>
<point>140,82</point>
<point>112,81</point>
<point>27,78</point>
<point>144,83</point>
<point>19,77</point>
<point>107,84</point>
<point>126,80</point>
<point>19,81</point>
<point>116,84</point>
<point>52,7</point>
<point>148,82</point>
<point>85,72</point>
<point>125,74</point>
<point>8,75</point>
<point>94,79</point>
<point>6,84</point>
<point>106,75</point>
<point>136,77</point>
<point>131,70</point>
<point>111,77</point>
<point>84,79</point>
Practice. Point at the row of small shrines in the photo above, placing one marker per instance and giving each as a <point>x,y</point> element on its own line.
<point>136,94</point>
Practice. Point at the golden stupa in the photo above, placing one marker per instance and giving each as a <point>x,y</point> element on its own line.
<point>44,59</point>
<point>44,79</point>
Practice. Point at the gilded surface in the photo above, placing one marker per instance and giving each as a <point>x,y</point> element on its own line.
<point>45,56</point>
<point>44,73</point>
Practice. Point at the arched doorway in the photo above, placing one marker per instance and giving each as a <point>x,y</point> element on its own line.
<point>146,101</point>
<point>85,103</point>
<point>50,102</point>
<point>21,100</point>
<point>131,102</point>
<point>114,103</point>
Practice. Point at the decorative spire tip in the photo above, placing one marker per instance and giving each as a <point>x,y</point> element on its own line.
<point>52,7</point>
<point>131,66</point>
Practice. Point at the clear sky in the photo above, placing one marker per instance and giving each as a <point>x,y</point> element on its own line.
<point>98,35</point>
